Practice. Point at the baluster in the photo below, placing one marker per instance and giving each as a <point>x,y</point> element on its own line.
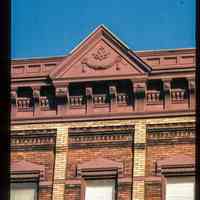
<point>191,91</point>
<point>182,95</point>
<point>173,96</point>
<point>158,96</point>
<point>178,95</point>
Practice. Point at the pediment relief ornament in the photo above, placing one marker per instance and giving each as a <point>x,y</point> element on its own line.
<point>101,54</point>
<point>101,60</point>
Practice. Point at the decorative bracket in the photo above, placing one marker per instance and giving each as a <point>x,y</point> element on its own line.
<point>13,96</point>
<point>61,91</point>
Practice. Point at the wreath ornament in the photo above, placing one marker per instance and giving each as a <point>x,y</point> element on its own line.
<point>99,56</point>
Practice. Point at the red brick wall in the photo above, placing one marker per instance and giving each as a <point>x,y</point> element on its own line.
<point>45,193</point>
<point>73,193</point>
<point>153,191</point>
<point>158,152</point>
<point>77,156</point>
<point>45,158</point>
<point>124,192</point>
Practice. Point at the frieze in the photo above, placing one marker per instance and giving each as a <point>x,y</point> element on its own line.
<point>171,133</point>
<point>100,137</point>
<point>33,140</point>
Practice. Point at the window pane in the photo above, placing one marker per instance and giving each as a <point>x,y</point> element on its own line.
<point>180,188</point>
<point>100,190</point>
<point>25,191</point>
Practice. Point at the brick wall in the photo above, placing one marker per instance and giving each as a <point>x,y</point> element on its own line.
<point>153,191</point>
<point>45,158</point>
<point>77,156</point>
<point>160,152</point>
<point>143,158</point>
<point>72,192</point>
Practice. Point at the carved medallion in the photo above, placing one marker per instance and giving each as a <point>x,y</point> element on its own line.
<point>101,54</point>
<point>100,60</point>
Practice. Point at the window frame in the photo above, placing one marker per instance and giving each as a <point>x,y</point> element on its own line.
<point>25,172</point>
<point>181,166</point>
<point>178,176</point>
<point>99,169</point>
<point>26,182</point>
<point>84,185</point>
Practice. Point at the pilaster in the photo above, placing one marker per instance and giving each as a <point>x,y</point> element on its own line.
<point>62,98</point>
<point>13,101</point>
<point>191,93</point>
<point>139,88</point>
<point>166,90</point>
<point>89,96</point>
<point>139,160</point>
<point>36,97</point>
<point>60,163</point>
<point>113,98</point>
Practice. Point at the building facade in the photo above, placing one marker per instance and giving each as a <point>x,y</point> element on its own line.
<point>104,123</point>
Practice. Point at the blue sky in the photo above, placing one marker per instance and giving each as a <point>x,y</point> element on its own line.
<point>43,28</point>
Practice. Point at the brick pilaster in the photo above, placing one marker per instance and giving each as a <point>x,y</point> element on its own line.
<point>138,190</point>
<point>60,163</point>
<point>139,160</point>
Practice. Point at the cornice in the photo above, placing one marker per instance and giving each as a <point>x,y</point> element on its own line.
<point>42,132</point>
<point>165,52</point>
<point>121,116</point>
<point>170,127</point>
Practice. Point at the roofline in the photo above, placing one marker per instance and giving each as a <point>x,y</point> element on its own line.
<point>39,58</point>
<point>157,50</point>
<point>94,30</point>
<point>135,51</point>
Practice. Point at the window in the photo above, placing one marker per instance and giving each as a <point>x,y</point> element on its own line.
<point>100,190</point>
<point>180,188</point>
<point>25,191</point>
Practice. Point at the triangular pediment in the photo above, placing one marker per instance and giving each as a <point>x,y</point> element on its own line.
<point>100,55</point>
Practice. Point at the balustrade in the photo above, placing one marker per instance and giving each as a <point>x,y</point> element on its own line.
<point>153,97</point>
<point>122,98</point>
<point>76,100</point>
<point>178,95</point>
<point>44,103</point>
<point>24,104</point>
<point>99,99</point>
